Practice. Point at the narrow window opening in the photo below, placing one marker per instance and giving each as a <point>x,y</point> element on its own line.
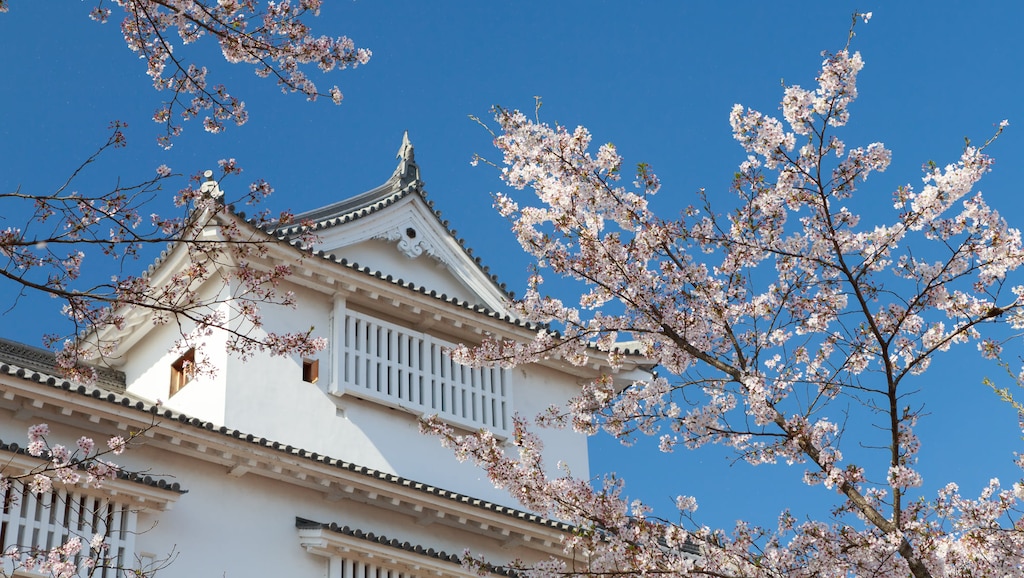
<point>183,370</point>
<point>310,370</point>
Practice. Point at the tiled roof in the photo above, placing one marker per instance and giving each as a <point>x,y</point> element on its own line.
<point>688,547</point>
<point>441,555</point>
<point>287,239</point>
<point>398,281</point>
<point>136,477</point>
<point>99,393</point>
<point>42,360</point>
<point>404,181</point>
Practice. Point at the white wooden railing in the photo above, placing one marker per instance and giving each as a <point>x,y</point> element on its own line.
<point>34,523</point>
<point>401,368</point>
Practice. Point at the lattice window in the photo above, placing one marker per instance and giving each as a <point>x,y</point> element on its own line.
<point>396,366</point>
<point>31,522</point>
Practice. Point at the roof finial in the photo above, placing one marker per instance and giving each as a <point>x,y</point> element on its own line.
<point>210,186</point>
<point>407,169</point>
<point>406,152</point>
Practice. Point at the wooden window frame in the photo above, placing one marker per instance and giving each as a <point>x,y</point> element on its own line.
<point>310,370</point>
<point>183,370</point>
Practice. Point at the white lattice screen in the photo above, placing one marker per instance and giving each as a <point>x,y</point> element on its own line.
<point>33,522</point>
<point>357,569</point>
<point>396,366</point>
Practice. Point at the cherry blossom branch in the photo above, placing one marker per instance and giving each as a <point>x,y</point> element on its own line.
<point>49,259</point>
<point>764,314</point>
<point>84,466</point>
<point>274,37</point>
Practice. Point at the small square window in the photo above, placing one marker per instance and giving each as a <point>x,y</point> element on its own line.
<point>310,370</point>
<point>183,370</point>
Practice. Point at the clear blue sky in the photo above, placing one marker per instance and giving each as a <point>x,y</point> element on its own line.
<point>656,78</point>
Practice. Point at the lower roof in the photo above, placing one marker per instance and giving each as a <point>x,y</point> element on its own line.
<point>9,367</point>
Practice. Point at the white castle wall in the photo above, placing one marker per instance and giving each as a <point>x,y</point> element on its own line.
<point>245,526</point>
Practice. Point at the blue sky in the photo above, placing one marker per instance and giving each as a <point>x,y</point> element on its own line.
<point>656,78</point>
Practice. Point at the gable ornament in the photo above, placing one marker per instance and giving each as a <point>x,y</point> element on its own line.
<point>409,241</point>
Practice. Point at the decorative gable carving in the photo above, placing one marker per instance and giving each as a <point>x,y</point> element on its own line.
<point>410,241</point>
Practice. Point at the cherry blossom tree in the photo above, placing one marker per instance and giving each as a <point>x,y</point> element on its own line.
<point>61,229</point>
<point>274,37</point>
<point>47,254</point>
<point>64,227</point>
<point>783,325</point>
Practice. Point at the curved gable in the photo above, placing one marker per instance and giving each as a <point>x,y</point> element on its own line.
<point>395,230</point>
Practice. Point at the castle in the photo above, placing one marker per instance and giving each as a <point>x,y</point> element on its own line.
<point>305,466</point>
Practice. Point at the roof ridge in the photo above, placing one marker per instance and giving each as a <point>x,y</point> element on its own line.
<point>403,182</point>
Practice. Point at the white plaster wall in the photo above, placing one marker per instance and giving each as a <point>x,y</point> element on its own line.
<point>537,388</point>
<point>423,270</point>
<point>245,527</point>
<point>224,526</point>
<point>266,393</point>
<point>266,396</point>
<point>147,368</point>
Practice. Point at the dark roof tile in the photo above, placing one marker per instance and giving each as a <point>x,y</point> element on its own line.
<point>441,555</point>
<point>155,482</point>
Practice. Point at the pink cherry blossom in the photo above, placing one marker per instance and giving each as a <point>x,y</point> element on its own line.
<point>63,470</point>
<point>773,318</point>
<point>108,225</point>
<point>274,37</point>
